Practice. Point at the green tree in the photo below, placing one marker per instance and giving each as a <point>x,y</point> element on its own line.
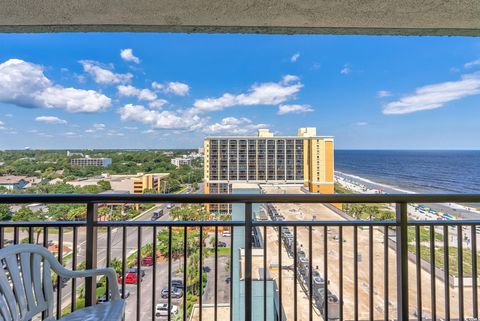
<point>105,185</point>
<point>189,212</point>
<point>177,242</point>
<point>5,212</point>
<point>147,250</point>
<point>373,211</point>
<point>76,213</point>
<point>116,264</point>
<point>65,212</point>
<point>25,214</point>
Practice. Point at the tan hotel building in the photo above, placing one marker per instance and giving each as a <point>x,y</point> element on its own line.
<point>305,159</point>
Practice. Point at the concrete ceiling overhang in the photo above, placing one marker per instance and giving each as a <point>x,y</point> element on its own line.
<point>399,17</point>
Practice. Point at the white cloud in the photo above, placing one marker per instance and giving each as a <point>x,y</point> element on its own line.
<point>346,69</point>
<point>131,127</point>
<point>269,93</point>
<point>435,95</point>
<point>102,75</point>
<point>51,120</point>
<point>234,126</point>
<point>96,128</point>
<point>383,93</point>
<point>74,100</point>
<point>173,87</point>
<point>127,55</point>
<point>472,63</point>
<point>295,57</point>
<point>157,104</point>
<point>289,79</point>
<point>24,84</point>
<point>141,94</point>
<point>160,119</point>
<point>2,123</point>
<point>361,123</point>
<point>294,109</point>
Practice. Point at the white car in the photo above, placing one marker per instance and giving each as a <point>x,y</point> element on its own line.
<point>226,233</point>
<point>161,310</point>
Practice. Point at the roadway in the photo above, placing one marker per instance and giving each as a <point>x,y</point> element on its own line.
<point>146,296</point>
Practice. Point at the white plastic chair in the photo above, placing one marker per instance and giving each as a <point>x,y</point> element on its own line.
<point>26,287</point>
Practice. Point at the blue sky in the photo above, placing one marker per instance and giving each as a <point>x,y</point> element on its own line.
<point>171,90</point>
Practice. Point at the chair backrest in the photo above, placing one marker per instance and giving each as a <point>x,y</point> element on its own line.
<point>26,287</point>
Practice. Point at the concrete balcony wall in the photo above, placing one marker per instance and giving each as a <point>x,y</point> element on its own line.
<point>403,17</point>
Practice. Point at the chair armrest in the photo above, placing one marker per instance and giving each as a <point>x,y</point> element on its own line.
<point>108,272</point>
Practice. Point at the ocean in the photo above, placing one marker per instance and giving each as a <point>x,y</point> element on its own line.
<point>418,171</point>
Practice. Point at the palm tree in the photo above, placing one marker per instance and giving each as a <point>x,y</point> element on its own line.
<point>147,250</point>
<point>25,214</point>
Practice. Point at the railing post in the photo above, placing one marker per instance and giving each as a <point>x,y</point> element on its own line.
<point>402,260</point>
<point>248,261</point>
<point>91,254</point>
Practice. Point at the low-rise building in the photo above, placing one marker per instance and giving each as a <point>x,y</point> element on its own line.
<point>134,184</point>
<point>34,181</point>
<point>70,154</point>
<point>181,161</point>
<point>13,182</point>
<point>144,182</point>
<point>88,161</point>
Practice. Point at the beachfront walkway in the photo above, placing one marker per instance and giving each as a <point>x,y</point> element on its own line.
<point>321,212</point>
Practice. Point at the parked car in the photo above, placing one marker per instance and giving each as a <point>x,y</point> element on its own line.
<point>170,206</point>
<point>206,269</point>
<point>135,270</point>
<point>131,278</point>
<point>226,233</point>
<point>222,244</point>
<point>177,283</point>
<point>175,293</point>
<point>161,310</point>
<point>147,261</point>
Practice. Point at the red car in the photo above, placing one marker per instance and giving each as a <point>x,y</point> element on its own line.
<point>147,261</point>
<point>130,278</point>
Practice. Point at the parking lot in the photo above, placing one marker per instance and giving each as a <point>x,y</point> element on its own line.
<point>146,290</point>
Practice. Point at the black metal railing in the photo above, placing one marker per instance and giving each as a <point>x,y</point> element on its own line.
<point>345,287</point>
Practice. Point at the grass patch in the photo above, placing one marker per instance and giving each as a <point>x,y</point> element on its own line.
<point>424,234</point>
<point>222,251</point>
<point>452,258</point>
<point>339,189</point>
